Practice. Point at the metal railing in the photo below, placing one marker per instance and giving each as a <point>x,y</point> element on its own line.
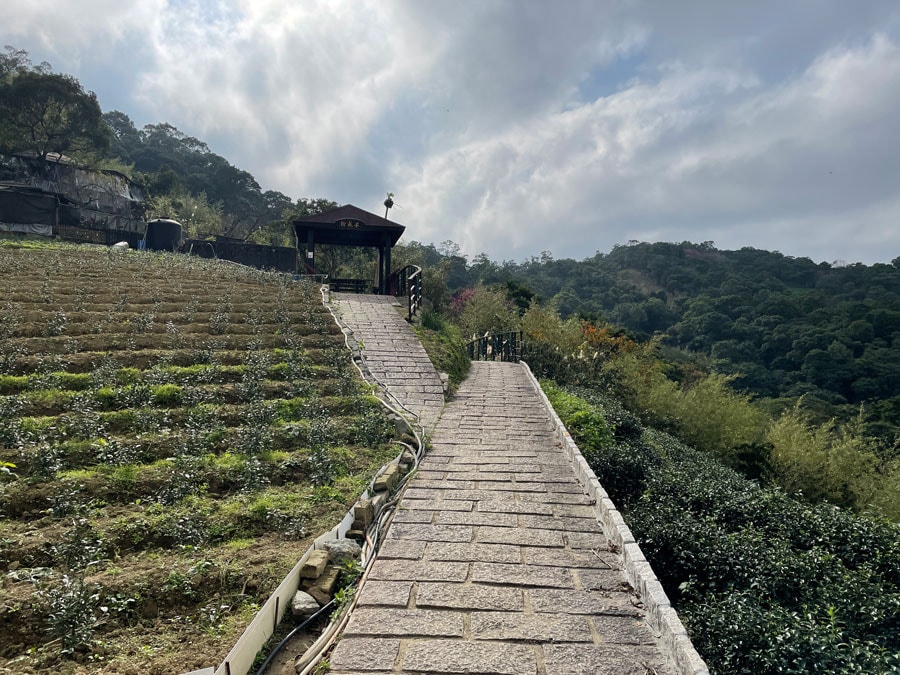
<point>496,347</point>
<point>408,282</point>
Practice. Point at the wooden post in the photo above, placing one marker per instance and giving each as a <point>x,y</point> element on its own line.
<point>310,261</point>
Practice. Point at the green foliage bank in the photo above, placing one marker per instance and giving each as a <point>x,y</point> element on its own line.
<point>765,584</point>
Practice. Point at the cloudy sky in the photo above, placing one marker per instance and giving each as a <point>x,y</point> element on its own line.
<point>517,126</point>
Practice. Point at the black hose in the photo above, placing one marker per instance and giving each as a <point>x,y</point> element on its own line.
<point>287,638</point>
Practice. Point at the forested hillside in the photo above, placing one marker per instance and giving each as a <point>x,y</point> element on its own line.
<point>786,325</point>
<point>782,327</point>
<point>51,116</point>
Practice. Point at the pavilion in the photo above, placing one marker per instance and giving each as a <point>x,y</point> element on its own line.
<point>350,225</point>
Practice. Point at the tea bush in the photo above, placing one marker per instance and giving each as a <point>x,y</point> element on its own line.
<point>765,583</point>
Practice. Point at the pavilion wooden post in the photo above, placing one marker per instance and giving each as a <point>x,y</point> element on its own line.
<point>384,267</point>
<point>310,252</point>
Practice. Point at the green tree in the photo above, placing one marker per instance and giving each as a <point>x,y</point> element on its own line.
<point>487,311</point>
<point>15,62</point>
<point>47,113</point>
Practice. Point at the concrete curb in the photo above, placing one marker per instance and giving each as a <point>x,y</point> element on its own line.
<point>660,613</point>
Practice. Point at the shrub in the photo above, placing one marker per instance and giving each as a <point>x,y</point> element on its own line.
<point>764,583</point>
<point>610,442</point>
<point>487,311</point>
<point>166,395</point>
<point>445,347</point>
<point>70,611</point>
<point>707,414</point>
<point>833,462</point>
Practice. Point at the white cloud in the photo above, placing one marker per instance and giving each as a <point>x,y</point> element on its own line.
<point>72,32</point>
<point>293,88</point>
<point>516,127</point>
<point>696,154</point>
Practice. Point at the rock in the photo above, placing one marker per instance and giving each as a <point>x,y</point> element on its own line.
<point>342,550</point>
<point>14,565</point>
<point>364,512</point>
<point>323,587</point>
<point>314,565</point>
<point>378,501</point>
<point>304,604</point>
<point>388,480</point>
<point>407,460</point>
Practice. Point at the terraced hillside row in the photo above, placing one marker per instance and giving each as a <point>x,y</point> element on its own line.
<point>172,433</point>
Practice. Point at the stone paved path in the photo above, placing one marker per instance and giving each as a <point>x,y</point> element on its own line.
<point>496,562</point>
<point>393,353</point>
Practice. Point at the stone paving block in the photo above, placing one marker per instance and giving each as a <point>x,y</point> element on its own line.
<point>623,630</point>
<point>562,524</point>
<point>511,454</point>
<point>590,540</point>
<point>532,627</point>
<point>473,552</point>
<point>511,486</point>
<point>556,478</point>
<point>407,516</point>
<point>480,495</point>
<point>480,476</point>
<point>405,623</point>
<point>418,570</point>
<point>416,492</point>
<point>604,560</point>
<point>388,593</point>
<point>554,459</point>
<point>469,596</point>
<point>604,660</point>
<point>520,535</point>
<point>365,654</point>
<point>424,532</point>
<point>576,511</point>
<point>574,488</point>
<point>420,483</point>
<point>437,504</point>
<point>564,601</point>
<point>478,461</point>
<point>569,498</point>
<point>477,518</point>
<point>604,580</point>
<point>454,656</point>
<point>522,575</point>
<point>401,548</point>
<point>511,505</point>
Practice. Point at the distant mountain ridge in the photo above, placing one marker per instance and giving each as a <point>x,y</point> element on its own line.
<point>784,327</point>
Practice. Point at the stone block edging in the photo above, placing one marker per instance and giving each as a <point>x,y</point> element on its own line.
<point>660,613</point>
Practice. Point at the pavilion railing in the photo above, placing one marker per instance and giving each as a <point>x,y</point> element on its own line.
<point>496,347</point>
<point>349,285</point>
<point>314,278</point>
<point>408,282</point>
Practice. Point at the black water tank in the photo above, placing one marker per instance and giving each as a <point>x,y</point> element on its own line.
<point>163,234</point>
